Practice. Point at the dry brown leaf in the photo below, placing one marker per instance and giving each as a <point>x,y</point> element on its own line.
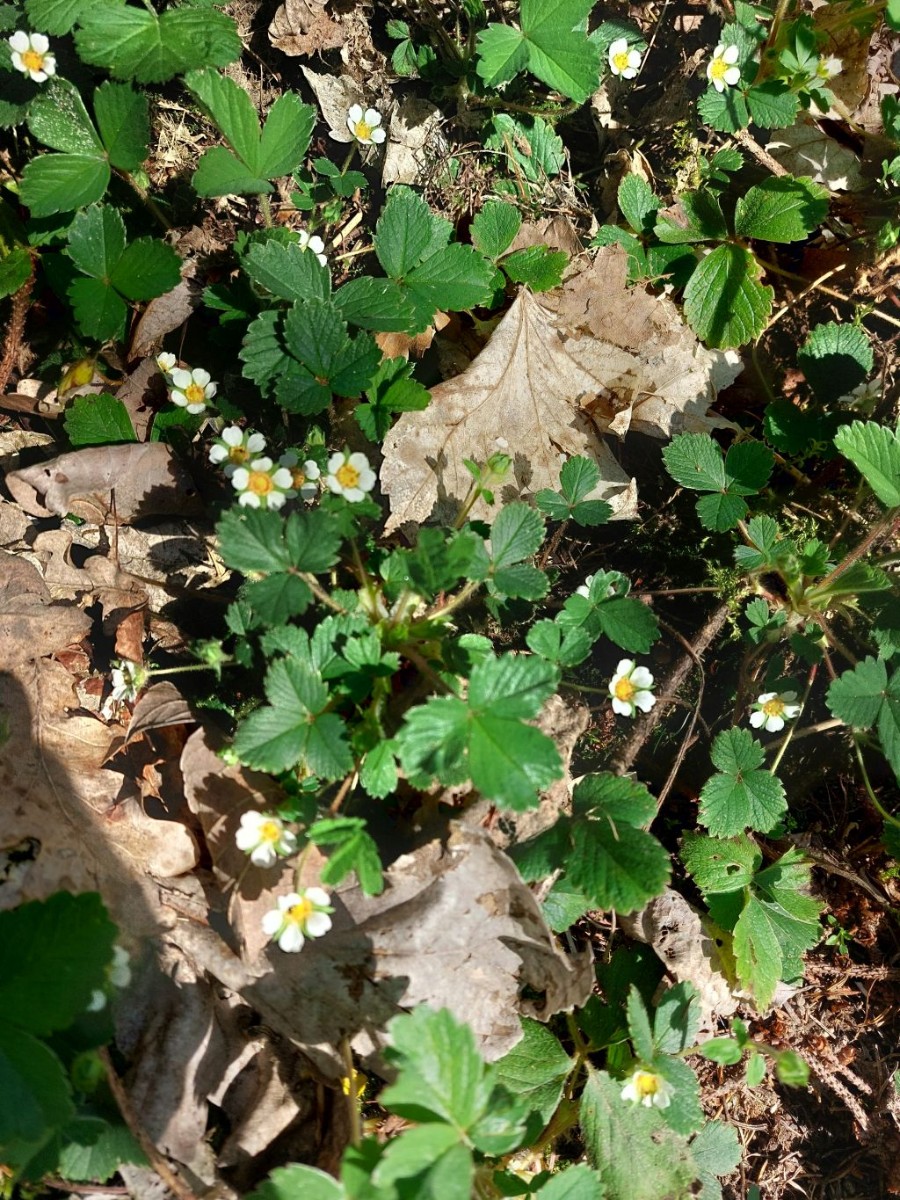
<point>303,27</point>
<point>105,483</point>
<point>33,396</point>
<point>160,707</point>
<point>139,392</point>
<point>165,313</point>
<point>805,149</point>
<point>556,232</point>
<point>335,94</point>
<point>30,625</point>
<point>415,142</point>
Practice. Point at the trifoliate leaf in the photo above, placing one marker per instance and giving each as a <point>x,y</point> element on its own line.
<point>353,849</point>
<point>721,512</point>
<point>123,118</point>
<point>741,796</point>
<point>532,145</point>
<point>566,647</point>
<point>866,698</point>
<point>98,421</point>
<point>875,452</point>
<point>724,302</point>
<point>698,218</point>
<point>781,209</point>
<point>494,228</point>
<point>136,43</point>
<point>835,359</point>
<point>552,44</point>
<point>287,271</point>
<point>261,540</point>
<point>390,391</point>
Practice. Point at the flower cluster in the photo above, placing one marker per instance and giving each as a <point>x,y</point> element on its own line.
<point>630,689</point>
<point>313,243</point>
<point>722,70</point>
<point>299,915</point>
<point>365,126</point>
<point>772,709</point>
<point>31,55</point>
<point>189,389</point>
<point>264,837</point>
<point>623,60</point>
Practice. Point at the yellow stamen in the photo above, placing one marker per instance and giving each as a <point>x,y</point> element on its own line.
<point>238,454</point>
<point>646,1083</point>
<point>620,61</point>
<point>719,68</point>
<point>301,912</point>
<point>625,689</point>
<point>773,708</point>
<point>195,394</point>
<point>269,831</point>
<point>33,60</point>
<point>260,483</point>
<point>363,131</point>
<point>347,476</point>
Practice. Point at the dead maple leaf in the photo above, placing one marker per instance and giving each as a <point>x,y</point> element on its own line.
<point>303,27</point>
<point>548,385</point>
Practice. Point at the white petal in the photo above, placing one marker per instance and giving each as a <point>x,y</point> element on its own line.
<point>625,666</point>
<point>359,461</point>
<point>40,42</point>
<point>335,462</point>
<point>354,113</point>
<point>774,725</point>
<point>332,484</point>
<point>287,843</point>
<point>311,469</point>
<point>318,924</point>
<point>766,697</point>
<point>641,678</point>
<point>264,855</point>
<point>249,500</point>
<point>791,711</point>
<point>276,500</point>
<point>17,62</point>
<point>629,73</point>
<point>661,1099</point>
<point>240,478</point>
<point>718,85</point>
<point>217,454</point>
<point>282,478</point>
<point>732,75</point>
<point>19,41</point>
<point>619,46</point>
<point>180,377</point>
<point>292,939</point>
<point>289,901</point>
<point>200,376</point>
<point>179,398</point>
<point>757,718</point>
<point>262,464</point>
<point>316,245</point>
<point>378,136</point>
<point>196,408</point>
<point>623,708</point>
<point>255,443</point>
<point>232,436</point>
<point>318,896</point>
<point>271,922</point>
<point>322,259</point>
<point>730,55</point>
<point>372,117</point>
<point>354,495</point>
<point>367,479</point>
<point>630,1092</point>
<point>634,58</point>
<point>644,700</point>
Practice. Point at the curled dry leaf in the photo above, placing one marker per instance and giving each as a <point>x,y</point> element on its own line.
<point>159,707</point>
<point>805,149</point>
<point>303,27</point>
<point>165,313</point>
<point>335,94</point>
<point>30,624</point>
<point>107,483</point>
<point>415,142</point>
<point>608,358</point>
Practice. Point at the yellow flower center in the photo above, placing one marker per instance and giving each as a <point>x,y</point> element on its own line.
<point>774,707</point>
<point>646,1083</point>
<point>620,61</point>
<point>363,131</point>
<point>269,831</point>
<point>238,454</point>
<point>33,60</point>
<point>195,394</point>
<point>719,68</point>
<point>298,478</point>
<point>625,689</point>
<point>347,476</point>
<point>301,912</point>
<point>260,483</point>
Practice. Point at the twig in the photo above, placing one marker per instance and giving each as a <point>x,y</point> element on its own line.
<point>84,1189</point>
<point>15,329</point>
<point>156,1159</point>
<point>760,153</point>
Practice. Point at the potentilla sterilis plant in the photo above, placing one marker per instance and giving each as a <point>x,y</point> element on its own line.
<point>365,126</point>
<point>772,709</point>
<point>262,484</point>
<point>313,243</point>
<point>722,70</point>
<point>349,475</point>
<point>31,55</point>
<point>648,1088</point>
<point>622,60</point>
<point>264,837</point>
<point>299,915</point>
<point>630,689</point>
<point>192,390</point>
<point>304,475</point>
<point>234,447</point>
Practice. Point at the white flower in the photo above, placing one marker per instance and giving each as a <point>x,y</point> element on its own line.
<point>262,484</point>
<point>127,679</point>
<point>649,1089</point>
<point>313,243</point>
<point>30,55</point>
<point>264,837</point>
<point>623,61</point>
<point>118,974</point>
<point>863,396</point>
<point>234,447</point>
<point>191,389</point>
<point>365,125</point>
<point>829,67</point>
<point>166,362</point>
<point>772,709</point>
<point>721,70</point>
<point>630,689</point>
<point>585,588</point>
<point>299,916</point>
<point>303,475</point>
<point>349,475</point>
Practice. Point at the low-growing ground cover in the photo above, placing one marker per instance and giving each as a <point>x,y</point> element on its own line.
<point>448,600</point>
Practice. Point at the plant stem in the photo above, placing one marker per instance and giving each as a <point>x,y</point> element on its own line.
<point>352,1099</point>
<point>887,526</point>
<point>146,199</point>
<point>265,208</point>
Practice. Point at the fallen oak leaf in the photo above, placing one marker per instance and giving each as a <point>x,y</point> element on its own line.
<point>303,27</point>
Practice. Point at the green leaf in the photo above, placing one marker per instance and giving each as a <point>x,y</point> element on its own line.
<point>136,43</point>
<point>535,1070</point>
<point>378,304</point>
<point>298,1182</point>
<point>517,533</point>
<point>721,512</point>
<point>53,183</point>
<point>123,117</point>
<point>875,452</point>
<point>403,232</point>
<point>287,271</point>
<point>430,1162</point>
<point>685,1112</point>
<point>724,302</point>
<point>635,1155</point>
<point>97,240</point>
<point>100,312</point>
<point>835,359</point>
<point>147,268</point>
<point>390,391</point>
<point>354,850</point>
<point>58,118</point>
<point>285,136</point>
<point>720,865</point>
<point>378,774</point>
<point>639,1026</point>
<point>15,269</point>
<point>495,227</point>
<point>567,647</point>
<point>772,105</point>
<point>757,953</point>
<point>553,45</point>
<point>454,279</point>
<point>628,622</point>
<point>716,1150</point>
<point>748,466</point>
<point>87,1150</point>
<point>574,1183</point>
<point>98,421</point>
<point>741,796</point>
<point>864,698</point>
<point>725,111</point>
<point>55,16</point>
<point>533,146</point>
<point>695,461</point>
<point>253,540</point>
<point>638,204</point>
<point>53,955</point>
<point>35,1097</point>
<point>262,353</point>
<point>698,218</point>
<point>781,209</point>
<point>538,267</point>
